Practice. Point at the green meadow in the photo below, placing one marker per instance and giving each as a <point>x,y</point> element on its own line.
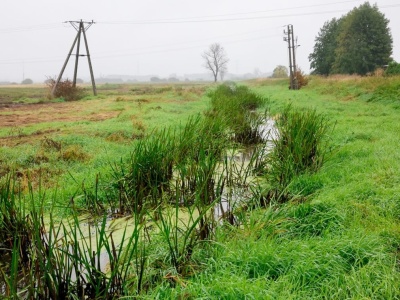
<point>315,215</point>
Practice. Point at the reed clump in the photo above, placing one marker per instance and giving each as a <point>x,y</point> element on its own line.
<point>299,146</point>
<point>148,172</point>
<point>237,106</point>
<point>15,224</point>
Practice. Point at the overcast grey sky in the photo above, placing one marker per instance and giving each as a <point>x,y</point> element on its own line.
<point>164,37</point>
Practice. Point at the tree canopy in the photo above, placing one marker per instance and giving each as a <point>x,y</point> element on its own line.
<point>27,81</point>
<point>323,57</point>
<point>357,43</point>
<point>280,72</point>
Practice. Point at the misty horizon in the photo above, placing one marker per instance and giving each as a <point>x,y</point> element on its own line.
<point>160,39</point>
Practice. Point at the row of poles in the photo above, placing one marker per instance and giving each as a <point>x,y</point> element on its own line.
<point>81,28</point>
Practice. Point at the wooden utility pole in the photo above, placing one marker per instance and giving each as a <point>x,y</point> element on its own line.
<point>292,57</point>
<point>80,28</point>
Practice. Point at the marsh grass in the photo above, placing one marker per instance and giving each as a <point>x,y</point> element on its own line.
<point>65,262</point>
<point>15,226</point>
<point>180,235</point>
<point>299,146</point>
<point>237,106</point>
<point>148,170</point>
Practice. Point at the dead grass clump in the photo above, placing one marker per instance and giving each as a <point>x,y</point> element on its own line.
<point>197,90</point>
<point>44,177</point>
<point>302,79</point>
<point>142,100</point>
<point>151,90</point>
<point>40,158</point>
<point>138,125</point>
<point>178,90</point>
<point>4,169</point>
<point>379,72</point>
<point>74,153</point>
<point>118,136</point>
<point>50,144</point>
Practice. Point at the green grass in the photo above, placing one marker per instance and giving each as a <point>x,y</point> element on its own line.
<point>339,239</point>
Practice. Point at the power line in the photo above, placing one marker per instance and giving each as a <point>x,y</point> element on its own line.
<point>142,50</point>
<point>180,20</point>
<point>237,14</point>
<point>181,48</point>
<point>31,28</point>
<point>205,18</point>
<point>212,38</point>
<point>211,19</point>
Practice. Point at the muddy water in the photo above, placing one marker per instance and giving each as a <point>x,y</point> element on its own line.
<point>236,195</point>
<point>232,197</point>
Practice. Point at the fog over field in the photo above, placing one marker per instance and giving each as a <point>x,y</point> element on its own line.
<point>164,38</point>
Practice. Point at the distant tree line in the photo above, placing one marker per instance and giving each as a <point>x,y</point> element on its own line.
<point>357,43</point>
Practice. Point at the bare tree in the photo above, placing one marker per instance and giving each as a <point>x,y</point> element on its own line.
<point>216,60</point>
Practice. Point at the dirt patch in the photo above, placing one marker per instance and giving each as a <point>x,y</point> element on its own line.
<point>16,116</point>
<point>11,141</point>
<point>28,114</point>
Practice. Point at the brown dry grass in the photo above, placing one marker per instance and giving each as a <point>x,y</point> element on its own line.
<point>28,114</point>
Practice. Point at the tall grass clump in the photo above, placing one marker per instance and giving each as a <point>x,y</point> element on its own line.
<point>237,106</point>
<point>200,148</point>
<point>200,134</point>
<point>299,146</point>
<point>14,221</point>
<point>68,261</point>
<point>147,172</point>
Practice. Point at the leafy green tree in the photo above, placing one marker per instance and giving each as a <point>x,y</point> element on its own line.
<point>280,72</point>
<point>364,42</point>
<point>359,42</point>
<point>323,57</point>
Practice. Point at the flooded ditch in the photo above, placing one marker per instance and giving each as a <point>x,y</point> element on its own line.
<point>99,243</point>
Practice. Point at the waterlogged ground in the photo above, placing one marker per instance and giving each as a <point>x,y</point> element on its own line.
<point>338,239</point>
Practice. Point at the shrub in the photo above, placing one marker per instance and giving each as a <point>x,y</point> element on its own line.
<point>302,79</point>
<point>65,89</point>
<point>393,69</point>
<point>27,81</point>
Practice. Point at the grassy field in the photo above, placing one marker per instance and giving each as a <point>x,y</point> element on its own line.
<point>337,237</point>
<point>56,142</point>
